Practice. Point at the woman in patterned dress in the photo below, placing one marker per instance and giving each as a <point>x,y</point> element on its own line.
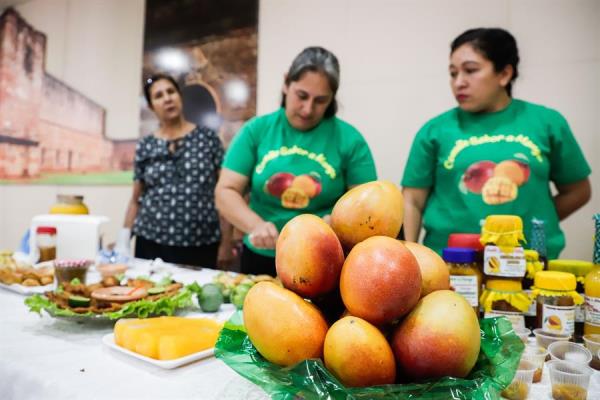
<point>172,210</point>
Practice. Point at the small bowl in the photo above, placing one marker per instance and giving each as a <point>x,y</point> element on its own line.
<point>569,351</point>
<point>67,270</point>
<point>544,339</point>
<point>519,387</point>
<point>592,342</point>
<point>569,380</point>
<point>107,270</point>
<point>523,334</point>
<point>536,355</point>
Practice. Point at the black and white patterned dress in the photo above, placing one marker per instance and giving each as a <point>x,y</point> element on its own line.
<point>177,205</point>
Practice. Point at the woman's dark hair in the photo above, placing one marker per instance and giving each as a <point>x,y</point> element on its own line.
<point>495,44</point>
<point>316,59</point>
<point>152,80</point>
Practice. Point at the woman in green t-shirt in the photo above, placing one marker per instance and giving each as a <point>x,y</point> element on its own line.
<point>492,154</point>
<point>298,159</point>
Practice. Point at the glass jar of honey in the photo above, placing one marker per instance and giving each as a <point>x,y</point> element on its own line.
<point>503,255</point>
<point>465,276</point>
<point>505,298</point>
<point>556,299</point>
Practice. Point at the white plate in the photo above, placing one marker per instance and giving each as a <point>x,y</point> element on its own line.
<point>109,340</point>
<point>27,290</point>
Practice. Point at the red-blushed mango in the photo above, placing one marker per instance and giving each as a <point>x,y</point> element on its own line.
<point>371,209</point>
<point>308,256</point>
<point>440,337</point>
<point>380,280</point>
<point>284,328</point>
<point>358,354</point>
<point>434,270</point>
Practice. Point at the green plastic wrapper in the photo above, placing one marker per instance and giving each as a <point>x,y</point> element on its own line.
<point>498,360</point>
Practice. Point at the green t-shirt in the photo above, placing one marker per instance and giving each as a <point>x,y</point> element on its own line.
<point>494,163</point>
<point>294,172</point>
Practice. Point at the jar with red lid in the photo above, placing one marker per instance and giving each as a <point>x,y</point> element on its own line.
<point>45,240</point>
<point>468,241</point>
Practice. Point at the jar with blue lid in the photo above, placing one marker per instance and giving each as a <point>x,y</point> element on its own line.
<point>465,276</point>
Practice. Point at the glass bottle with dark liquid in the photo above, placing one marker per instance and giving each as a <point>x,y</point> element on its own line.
<point>46,243</point>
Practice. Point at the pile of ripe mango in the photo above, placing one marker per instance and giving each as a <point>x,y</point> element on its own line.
<point>398,321</point>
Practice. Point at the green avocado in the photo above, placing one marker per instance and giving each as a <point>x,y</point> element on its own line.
<point>156,290</point>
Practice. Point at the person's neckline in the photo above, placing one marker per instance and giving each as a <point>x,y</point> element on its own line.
<point>177,138</point>
<point>489,114</point>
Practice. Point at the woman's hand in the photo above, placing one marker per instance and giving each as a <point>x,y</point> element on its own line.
<point>264,235</point>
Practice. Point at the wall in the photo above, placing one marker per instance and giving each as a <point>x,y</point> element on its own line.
<point>394,57</point>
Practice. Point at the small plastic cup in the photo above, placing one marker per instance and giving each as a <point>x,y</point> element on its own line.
<point>536,355</point>
<point>592,342</point>
<point>569,351</point>
<point>569,380</point>
<point>519,387</point>
<point>544,339</point>
<point>523,334</point>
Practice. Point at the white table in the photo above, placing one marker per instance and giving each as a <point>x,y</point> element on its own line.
<point>47,358</point>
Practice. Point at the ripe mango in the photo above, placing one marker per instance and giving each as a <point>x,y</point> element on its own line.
<point>371,209</point>
<point>309,256</point>
<point>380,280</point>
<point>440,337</point>
<point>284,328</point>
<point>358,354</point>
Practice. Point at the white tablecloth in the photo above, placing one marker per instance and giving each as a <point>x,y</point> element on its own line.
<point>46,358</point>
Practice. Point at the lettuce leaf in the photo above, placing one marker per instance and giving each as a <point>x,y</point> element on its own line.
<point>137,309</point>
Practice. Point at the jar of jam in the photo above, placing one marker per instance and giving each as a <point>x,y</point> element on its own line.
<point>580,269</point>
<point>505,298</point>
<point>503,255</point>
<point>468,241</point>
<point>45,239</point>
<point>465,276</point>
<point>556,298</point>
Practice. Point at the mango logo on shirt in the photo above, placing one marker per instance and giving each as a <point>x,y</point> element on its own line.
<point>294,191</point>
<point>497,183</point>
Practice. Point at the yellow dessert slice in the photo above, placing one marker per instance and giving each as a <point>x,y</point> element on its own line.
<point>167,338</point>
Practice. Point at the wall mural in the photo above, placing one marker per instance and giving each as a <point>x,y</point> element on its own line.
<point>50,133</point>
<point>210,48</point>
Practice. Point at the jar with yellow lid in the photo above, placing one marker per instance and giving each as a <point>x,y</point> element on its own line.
<point>580,269</point>
<point>556,298</point>
<point>69,204</point>
<point>592,288</point>
<point>503,255</point>
<point>465,276</point>
<point>505,298</point>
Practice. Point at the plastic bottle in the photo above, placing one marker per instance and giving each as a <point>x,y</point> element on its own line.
<point>592,288</point>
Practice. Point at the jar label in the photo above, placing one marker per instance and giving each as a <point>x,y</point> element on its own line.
<point>499,263</point>
<point>558,319</point>
<point>466,285</point>
<point>592,310</point>
<point>516,319</point>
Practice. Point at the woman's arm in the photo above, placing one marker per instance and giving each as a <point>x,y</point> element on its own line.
<point>231,204</point>
<point>414,204</point>
<point>132,207</point>
<point>572,197</point>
